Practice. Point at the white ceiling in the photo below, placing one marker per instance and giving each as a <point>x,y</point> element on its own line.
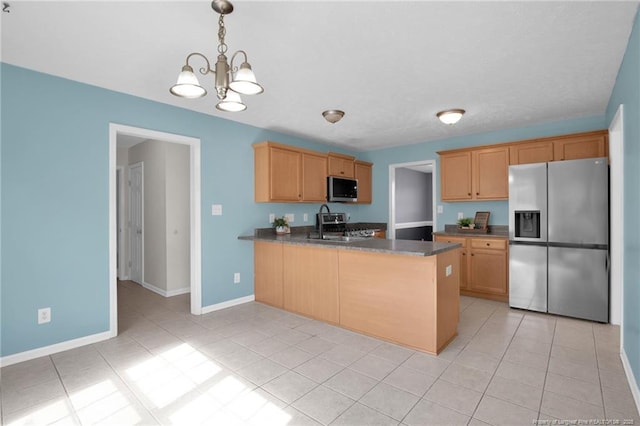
<point>390,65</point>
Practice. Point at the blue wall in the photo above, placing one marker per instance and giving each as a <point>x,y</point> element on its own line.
<point>627,92</point>
<point>55,139</point>
<point>427,151</point>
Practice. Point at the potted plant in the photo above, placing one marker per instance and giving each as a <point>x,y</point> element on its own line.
<point>466,223</point>
<point>281,225</point>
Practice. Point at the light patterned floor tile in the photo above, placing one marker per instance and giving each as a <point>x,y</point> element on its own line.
<point>498,412</point>
<point>323,404</point>
<point>389,400</point>
<point>453,396</point>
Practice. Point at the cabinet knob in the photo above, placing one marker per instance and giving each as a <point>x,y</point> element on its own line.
<point>341,173</point>
<point>464,254</point>
<point>488,244</point>
<point>472,254</point>
<point>477,193</point>
<point>468,193</point>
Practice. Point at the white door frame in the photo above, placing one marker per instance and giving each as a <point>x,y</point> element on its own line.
<point>196,226</point>
<point>616,189</point>
<point>132,234</point>
<point>123,271</point>
<point>391,227</point>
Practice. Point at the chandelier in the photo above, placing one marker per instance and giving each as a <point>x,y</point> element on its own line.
<point>230,81</point>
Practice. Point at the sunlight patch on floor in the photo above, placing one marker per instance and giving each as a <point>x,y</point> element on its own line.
<point>58,411</point>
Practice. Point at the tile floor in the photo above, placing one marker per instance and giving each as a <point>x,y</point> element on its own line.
<point>256,365</point>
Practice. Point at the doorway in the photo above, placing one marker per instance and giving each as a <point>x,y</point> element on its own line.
<point>412,200</point>
<point>118,131</point>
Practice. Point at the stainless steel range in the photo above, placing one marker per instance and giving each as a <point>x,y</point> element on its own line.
<point>336,224</point>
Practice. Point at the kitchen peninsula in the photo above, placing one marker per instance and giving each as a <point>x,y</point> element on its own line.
<point>398,290</point>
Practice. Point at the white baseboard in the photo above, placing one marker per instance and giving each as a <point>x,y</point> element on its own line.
<point>55,348</point>
<point>635,391</point>
<point>228,304</point>
<point>166,293</point>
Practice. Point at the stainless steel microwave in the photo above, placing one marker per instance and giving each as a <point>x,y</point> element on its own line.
<point>342,190</point>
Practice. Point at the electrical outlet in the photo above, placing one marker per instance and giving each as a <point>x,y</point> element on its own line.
<point>460,215</point>
<point>305,217</point>
<point>448,270</point>
<point>236,278</point>
<point>440,209</point>
<point>272,217</point>
<point>290,217</point>
<point>44,315</point>
<point>216,210</point>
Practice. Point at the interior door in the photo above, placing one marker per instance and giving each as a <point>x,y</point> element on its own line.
<point>136,225</point>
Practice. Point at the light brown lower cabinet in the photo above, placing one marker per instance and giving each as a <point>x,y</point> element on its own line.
<point>311,281</point>
<point>485,262</point>
<point>410,300</point>
<point>268,273</point>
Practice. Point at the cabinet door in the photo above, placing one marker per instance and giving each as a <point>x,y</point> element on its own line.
<point>268,279</point>
<point>464,265</point>
<point>285,175</point>
<point>363,174</point>
<point>534,152</point>
<point>577,147</point>
<point>490,174</point>
<point>340,166</point>
<point>311,281</point>
<point>488,271</point>
<point>455,176</point>
<point>314,177</point>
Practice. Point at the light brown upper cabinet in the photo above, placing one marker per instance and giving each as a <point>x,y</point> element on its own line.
<point>286,174</point>
<point>363,172</point>
<point>531,152</point>
<point>455,176</point>
<point>474,174</point>
<point>314,177</point>
<point>340,165</point>
<point>490,173</point>
<point>560,148</point>
<point>580,146</point>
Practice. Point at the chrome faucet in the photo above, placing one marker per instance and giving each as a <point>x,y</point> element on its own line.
<point>321,221</point>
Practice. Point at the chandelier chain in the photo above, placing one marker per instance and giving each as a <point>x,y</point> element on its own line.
<point>222,46</point>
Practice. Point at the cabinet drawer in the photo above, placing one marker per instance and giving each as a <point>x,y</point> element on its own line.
<point>448,239</point>
<point>494,243</point>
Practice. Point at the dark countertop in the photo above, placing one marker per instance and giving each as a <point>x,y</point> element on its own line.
<point>375,245</point>
<point>495,231</point>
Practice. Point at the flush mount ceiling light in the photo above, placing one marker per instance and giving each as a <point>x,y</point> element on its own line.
<point>333,115</point>
<point>230,81</point>
<point>451,116</point>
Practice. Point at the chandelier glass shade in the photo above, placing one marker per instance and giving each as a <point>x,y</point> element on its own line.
<point>230,81</point>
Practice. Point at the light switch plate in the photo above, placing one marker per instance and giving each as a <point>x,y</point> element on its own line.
<point>460,215</point>
<point>272,217</point>
<point>440,210</point>
<point>290,217</point>
<point>305,217</point>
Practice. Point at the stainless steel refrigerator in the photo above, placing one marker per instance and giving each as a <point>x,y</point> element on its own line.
<point>558,238</point>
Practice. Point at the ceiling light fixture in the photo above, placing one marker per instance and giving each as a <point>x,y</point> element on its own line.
<point>333,115</point>
<point>230,81</point>
<point>451,116</point>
